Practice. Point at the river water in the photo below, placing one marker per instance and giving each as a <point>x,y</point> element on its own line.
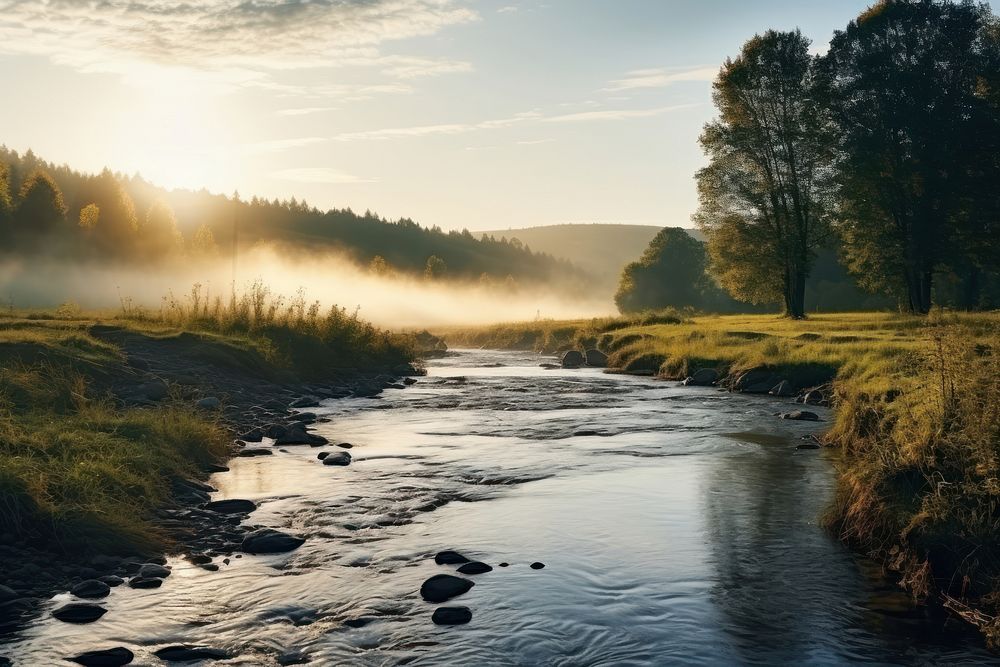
<point>677,526</point>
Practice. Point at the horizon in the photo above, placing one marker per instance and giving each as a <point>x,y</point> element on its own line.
<point>417,110</point>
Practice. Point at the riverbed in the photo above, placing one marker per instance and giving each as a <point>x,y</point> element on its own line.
<point>676,525</point>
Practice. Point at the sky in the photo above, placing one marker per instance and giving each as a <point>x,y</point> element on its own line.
<point>457,113</point>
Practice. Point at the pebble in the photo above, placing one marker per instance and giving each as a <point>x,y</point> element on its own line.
<point>451,616</point>
<point>443,587</point>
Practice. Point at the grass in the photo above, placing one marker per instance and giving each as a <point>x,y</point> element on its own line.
<point>917,424</point>
<point>79,474</point>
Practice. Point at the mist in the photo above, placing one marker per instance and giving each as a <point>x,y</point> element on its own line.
<point>397,302</point>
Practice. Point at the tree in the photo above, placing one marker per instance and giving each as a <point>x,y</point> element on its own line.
<point>203,243</point>
<point>6,206</point>
<point>379,267</point>
<point>435,269</point>
<point>160,236</point>
<point>765,194</point>
<point>671,272</point>
<point>116,230</point>
<point>40,207</point>
<point>89,217</point>
<point>905,82</point>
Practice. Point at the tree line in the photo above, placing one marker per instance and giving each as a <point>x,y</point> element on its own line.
<point>54,210</point>
<point>886,148</point>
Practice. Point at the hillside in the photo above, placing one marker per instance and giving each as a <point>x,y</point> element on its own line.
<point>601,249</point>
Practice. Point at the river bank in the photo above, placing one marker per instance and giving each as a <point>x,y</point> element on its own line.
<point>110,429</point>
<point>916,422</point>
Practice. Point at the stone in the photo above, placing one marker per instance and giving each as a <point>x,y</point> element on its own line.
<point>451,616</point>
<point>443,587</point>
<point>188,653</point>
<point>7,594</point>
<point>253,435</point>
<point>91,589</point>
<point>209,403</point>
<point>154,570</point>
<point>154,390</point>
<point>145,582</point>
<point>79,612</point>
<point>572,359</point>
<point>475,567</point>
<point>801,415</point>
<point>409,381</point>
<point>337,459</point>
<point>596,358</point>
<point>323,455</point>
<point>112,580</point>
<point>109,657</point>
<point>199,559</point>
<point>305,402</point>
<point>814,397</point>
<point>752,380</point>
<point>783,389</point>
<point>293,658</point>
<point>450,558</point>
<point>275,431</point>
<point>504,564</point>
<point>345,445</point>
<point>255,451</point>
<point>807,445</point>
<point>231,506</point>
<point>270,541</point>
<point>536,565</point>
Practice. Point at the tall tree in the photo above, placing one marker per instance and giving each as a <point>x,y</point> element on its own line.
<point>765,194</point>
<point>6,206</point>
<point>671,272</point>
<point>904,84</point>
<point>40,207</point>
<point>159,234</point>
<point>117,227</point>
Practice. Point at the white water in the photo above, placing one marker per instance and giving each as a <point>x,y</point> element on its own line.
<point>684,533</point>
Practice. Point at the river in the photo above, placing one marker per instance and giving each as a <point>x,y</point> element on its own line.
<point>677,526</point>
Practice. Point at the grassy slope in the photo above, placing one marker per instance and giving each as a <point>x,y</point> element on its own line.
<point>917,405</point>
<point>77,471</point>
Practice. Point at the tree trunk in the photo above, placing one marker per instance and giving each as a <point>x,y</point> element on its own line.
<point>799,288</point>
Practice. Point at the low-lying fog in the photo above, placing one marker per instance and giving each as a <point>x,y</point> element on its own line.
<point>394,302</point>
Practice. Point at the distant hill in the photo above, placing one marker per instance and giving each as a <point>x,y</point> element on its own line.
<point>601,249</point>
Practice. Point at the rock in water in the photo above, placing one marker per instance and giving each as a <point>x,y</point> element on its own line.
<point>572,359</point>
<point>536,565</point>
<point>79,612</point>
<point>270,541</point>
<point>450,558</point>
<point>807,445</point>
<point>451,616</point>
<point>188,653</point>
<point>475,567</point>
<point>801,415</point>
<point>703,377</point>
<point>337,459</point>
<point>255,451</point>
<point>153,570</point>
<point>231,506</point>
<point>145,582</point>
<point>443,587</point>
<point>596,358</point>
<point>209,403</point>
<point>112,580</point>
<point>111,657</point>
<point>91,589</point>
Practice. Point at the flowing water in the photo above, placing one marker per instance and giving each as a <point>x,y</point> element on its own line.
<point>676,525</point>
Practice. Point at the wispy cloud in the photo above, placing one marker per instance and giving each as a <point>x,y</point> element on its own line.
<point>661,78</point>
<point>507,9</point>
<point>304,111</point>
<point>535,142</point>
<point>235,37</point>
<point>278,145</point>
<point>320,175</point>
<point>615,114</point>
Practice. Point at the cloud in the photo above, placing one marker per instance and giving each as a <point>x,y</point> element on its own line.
<point>320,175</point>
<point>278,145</point>
<point>508,9</point>
<point>534,142</point>
<point>408,67</point>
<point>615,114</point>
<point>304,111</point>
<point>661,78</point>
<point>239,38</point>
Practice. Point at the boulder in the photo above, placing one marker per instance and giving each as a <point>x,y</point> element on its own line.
<point>209,403</point>
<point>154,570</point>
<point>253,435</point>
<point>275,431</point>
<point>251,452</point>
<point>703,377</point>
<point>188,653</point>
<point>270,541</point>
<point>305,402</point>
<point>408,381</point>
<point>783,389</point>
<point>299,436</point>
<point>112,580</point>
<point>109,657</point>
<point>154,390</point>
<point>7,594</point>
<point>814,397</point>
<point>801,415</point>
<point>337,459</point>
<point>450,558</point>
<point>536,565</point>
<point>596,358</point>
<point>145,582</point>
<point>79,612</point>
<point>231,506</point>
<point>91,589</point>
<point>572,359</point>
<point>474,567</point>
<point>451,616</point>
<point>752,380</point>
<point>807,445</point>
<point>323,455</point>
<point>443,587</point>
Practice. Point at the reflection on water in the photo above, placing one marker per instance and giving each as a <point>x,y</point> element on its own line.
<point>677,526</point>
